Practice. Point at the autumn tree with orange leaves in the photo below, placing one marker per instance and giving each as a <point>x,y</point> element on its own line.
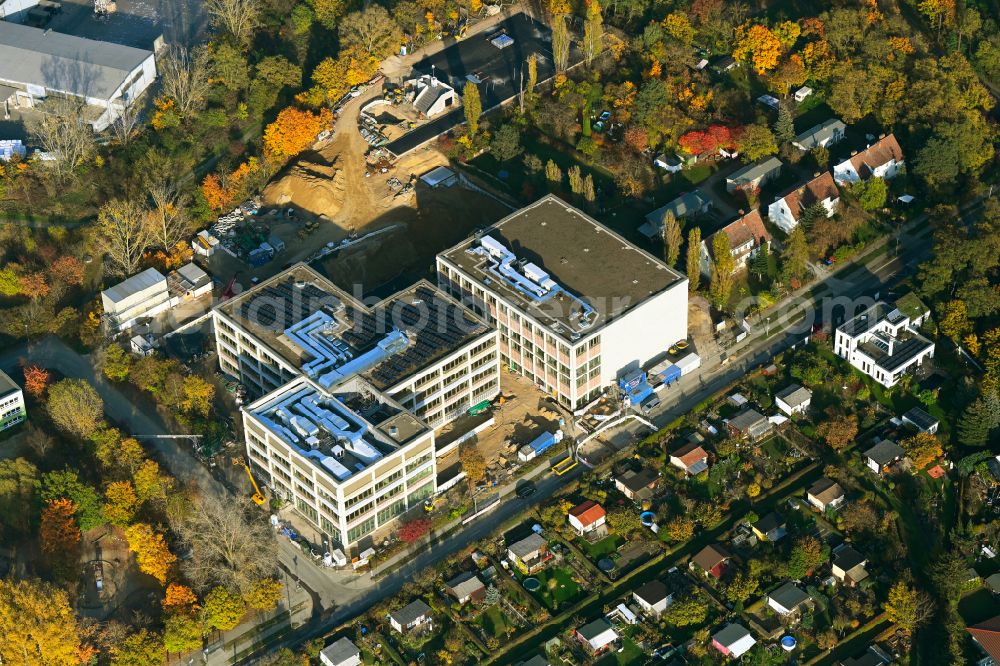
<point>293,131</point>
<point>36,380</point>
<point>758,45</point>
<point>179,599</point>
<point>60,536</point>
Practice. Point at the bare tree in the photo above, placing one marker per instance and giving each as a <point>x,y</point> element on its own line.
<point>126,122</point>
<point>237,17</point>
<point>171,223</point>
<point>126,231</point>
<point>61,129</point>
<point>185,78</point>
<point>231,544</point>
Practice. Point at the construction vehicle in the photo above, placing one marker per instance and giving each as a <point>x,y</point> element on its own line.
<point>258,497</point>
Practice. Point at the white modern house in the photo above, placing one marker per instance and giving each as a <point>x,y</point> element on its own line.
<point>349,458</point>
<point>36,63</point>
<point>786,211</point>
<point>576,304</point>
<point>882,343</point>
<point>12,410</point>
<point>882,159</point>
<point>825,494</point>
<point>787,599</point>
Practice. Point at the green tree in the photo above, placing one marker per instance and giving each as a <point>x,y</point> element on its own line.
<point>980,417</point>
<point>143,648</point>
<point>756,142</point>
<point>760,265</point>
<point>907,607</point>
<point>784,126</point>
<point>75,407</point>
<point>691,610</point>
<point>871,194</point>
<point>721,281</point>
<point>116,362</point>
<point>741,587</point>
<point>506,143</point>
<point>806,555</point>
<point>473,107</point>
<point>795,255</point>
<point>593,30</point>
<point>230,67</point>
<point>672,239</point>
<point>66,484</point>
<point>623,521</point>
<point>181,633</point>
<point>693,261</point>
<point>222,609</point>
<point>18,479</point>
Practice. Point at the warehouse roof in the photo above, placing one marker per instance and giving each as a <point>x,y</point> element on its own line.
<point>84,67</point>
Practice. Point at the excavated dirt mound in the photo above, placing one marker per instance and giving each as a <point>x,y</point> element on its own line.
<point>310,183</point>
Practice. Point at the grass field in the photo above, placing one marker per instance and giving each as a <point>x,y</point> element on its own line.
<point>557,588</point>
<point>631,655</point>
<point>494,623</point>
<point>603,548</point>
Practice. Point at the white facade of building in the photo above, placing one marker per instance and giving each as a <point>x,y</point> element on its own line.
<point>882,343</point>
<point>12,410</point>
<point>782,215</point>
<point>571,357</point>
<point>349,470</point>
<point>140,297</point>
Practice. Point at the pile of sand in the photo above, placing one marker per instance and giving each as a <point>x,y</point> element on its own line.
<point>310,184</point>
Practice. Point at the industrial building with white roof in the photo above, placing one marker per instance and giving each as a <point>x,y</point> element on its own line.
<point>577,305</point>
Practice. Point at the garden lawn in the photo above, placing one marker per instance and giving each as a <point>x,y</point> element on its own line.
<point>493,622</point>
<point>630,655</point>
<point>603,548</point>
<point>564,589</point>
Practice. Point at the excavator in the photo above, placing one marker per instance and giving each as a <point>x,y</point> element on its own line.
<point>258,497</point>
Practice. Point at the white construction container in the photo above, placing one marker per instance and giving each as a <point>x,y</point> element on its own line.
<point>689,364</point>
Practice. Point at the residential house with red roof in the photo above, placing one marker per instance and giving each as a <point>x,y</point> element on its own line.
<point>987,637</point>
<point>883,159</point>
<point>691,458</point>
<point>587,517</point>
<point>788,209</point>
<point>746,236</point>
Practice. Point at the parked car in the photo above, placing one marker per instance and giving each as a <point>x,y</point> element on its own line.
<point>526,490</point>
